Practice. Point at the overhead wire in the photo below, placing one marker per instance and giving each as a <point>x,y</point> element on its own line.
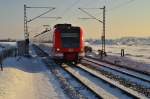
<point>121,5</point>
<point>66,10</point>
<point>101,2</point>
<point>71,6</point>
<point>116,7</point>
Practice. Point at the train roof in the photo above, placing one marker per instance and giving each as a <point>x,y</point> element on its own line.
<point>62,26</point>
<point>65,26</point>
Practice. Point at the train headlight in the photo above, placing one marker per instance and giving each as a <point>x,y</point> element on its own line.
<point>57,49</point>
<point>82,49</point>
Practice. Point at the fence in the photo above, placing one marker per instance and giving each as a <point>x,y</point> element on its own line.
<point>8,52</point>
<point>22,47</point>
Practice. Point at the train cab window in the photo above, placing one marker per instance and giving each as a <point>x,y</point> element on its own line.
<point>70,40</point>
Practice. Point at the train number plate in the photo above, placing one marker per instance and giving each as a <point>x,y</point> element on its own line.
<point>70,50</point>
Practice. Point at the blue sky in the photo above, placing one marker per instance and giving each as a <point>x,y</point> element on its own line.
<point>123,17</point>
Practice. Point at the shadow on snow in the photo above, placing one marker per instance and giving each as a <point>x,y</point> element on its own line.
<point>31,65</point>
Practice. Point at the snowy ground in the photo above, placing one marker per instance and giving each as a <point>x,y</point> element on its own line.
<point>138,53</point>
<point>25,78</point>
<point>7,44</point>
<point>29,78</point>
<point>136,57</point>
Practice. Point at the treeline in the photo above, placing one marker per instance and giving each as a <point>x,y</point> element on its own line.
<point>123,41</point>
<point>8,40</point>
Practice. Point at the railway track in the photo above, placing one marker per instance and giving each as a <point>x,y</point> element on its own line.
<point>99,84</point>
<point>71,86</point>
<point>124,77</point>
<point>132,73</point>
<point>118,65</point>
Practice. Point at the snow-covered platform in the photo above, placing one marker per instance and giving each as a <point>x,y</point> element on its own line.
<point>28,78</point>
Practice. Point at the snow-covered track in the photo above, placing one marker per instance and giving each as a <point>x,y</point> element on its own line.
<point>125,71</point>
<point>100,84</point>
<point>40,52</point>
<point>67,82</point>
<point>97,90</point>
<point>121,91</point>
<point>135,83</point>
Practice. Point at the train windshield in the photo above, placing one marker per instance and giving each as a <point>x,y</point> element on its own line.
<point>70,40</point>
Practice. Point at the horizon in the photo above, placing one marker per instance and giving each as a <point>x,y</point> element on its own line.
<point>91,38</point>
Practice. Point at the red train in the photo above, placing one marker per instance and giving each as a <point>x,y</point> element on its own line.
<point>68,44</point>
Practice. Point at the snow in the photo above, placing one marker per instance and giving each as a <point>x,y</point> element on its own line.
<point>102,85</point>
<point>77,85</point>
<point>4,45</point>
<point>107,87</point>
<point>127,77</point>
<point>46,47</point>
<point>136,57</point>
<point>24,78</point>
<point>29,77</point>
<point>7,44</point>
<point>138,53</point>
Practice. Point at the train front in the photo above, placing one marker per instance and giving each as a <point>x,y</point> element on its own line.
<point>69,44</point>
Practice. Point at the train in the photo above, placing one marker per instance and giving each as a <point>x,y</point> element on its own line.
<point>68,43</point>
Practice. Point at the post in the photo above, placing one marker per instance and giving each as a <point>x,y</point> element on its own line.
<point>104,23</point>
<point>26,21</point>
<point>1,60</point>
<point>1,66</point>
<point>104,27</point>
<point>26,34</point>
<point>122,52</point>
<point>103,35</point>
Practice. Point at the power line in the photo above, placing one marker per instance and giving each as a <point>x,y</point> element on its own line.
<point>70,7</point>
<point>45,31</point>
<point>66,10</point>
<point>40,15</point>
<point>26,21</point>
<point>101,21</point>
<point>90,14</point>
<point>121,5</point>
